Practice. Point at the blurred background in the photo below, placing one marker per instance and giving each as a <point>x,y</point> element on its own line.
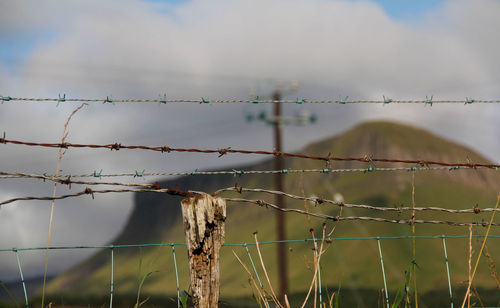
<point>315,49</point>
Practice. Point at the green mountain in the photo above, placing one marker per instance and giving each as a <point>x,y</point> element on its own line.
<point>353,264</point>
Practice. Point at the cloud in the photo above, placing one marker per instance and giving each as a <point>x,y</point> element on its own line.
<point>226,49</point>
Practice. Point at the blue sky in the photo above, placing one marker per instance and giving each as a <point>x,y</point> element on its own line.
<point>17,46</point>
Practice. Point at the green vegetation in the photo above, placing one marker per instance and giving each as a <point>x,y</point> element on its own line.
<point>355,264</point>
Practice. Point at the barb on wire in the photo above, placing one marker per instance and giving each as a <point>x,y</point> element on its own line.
<point>13,175</point>
<point>164,100</point>
<point>66,180</point>
<point>88,191</point>
<point>262,203</point>
<point>118,146</point>
<point>319,200</point>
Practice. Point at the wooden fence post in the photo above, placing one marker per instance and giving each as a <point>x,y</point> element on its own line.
<point>204,218</point>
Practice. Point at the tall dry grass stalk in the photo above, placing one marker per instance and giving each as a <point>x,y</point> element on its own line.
<point>413,233</point>
<point>317,258</point>
<point>491,265</point>
<point>480,251</point>
<point>58,169</point>
<point>273,295</point>
<point>260,291</point>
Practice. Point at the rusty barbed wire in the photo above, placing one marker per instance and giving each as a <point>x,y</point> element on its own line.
<point>319,201</point>
<point>163,100</point>
<point>67,180</point>
<point>91,192</point>
<point>266,204</point>
<point>224,151</point>
<point>261,203</point>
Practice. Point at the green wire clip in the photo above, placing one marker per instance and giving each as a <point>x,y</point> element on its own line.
<point>139,174</point>
<point>387,100</point>
<point>300,101</point>
<point>163,100</point>
<point>96,174</point>
<point>61,99</point>
<point>468,101</point>
<point>414,169</point>
<point>5,98</point>
<point>455,168</point>
<point>194,172</point>
<point>428,101</point>
<point>256,100</point>
<point>285,171</point>
<point>326,170</point>
<point>205,101</point>
<point>238,172</point>
<point>369,169</point>
<point>343,101</point>
<point>108,100</point>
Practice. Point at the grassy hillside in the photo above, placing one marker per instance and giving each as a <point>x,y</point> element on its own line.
<point>354,264</point>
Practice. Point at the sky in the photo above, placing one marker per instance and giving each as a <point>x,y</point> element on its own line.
<point>220,49</point>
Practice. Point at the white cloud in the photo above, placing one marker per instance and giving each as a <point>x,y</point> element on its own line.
<point>223,49</point>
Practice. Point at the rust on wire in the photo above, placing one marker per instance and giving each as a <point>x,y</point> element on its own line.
<point>224,151</point>
<point>89,191</point>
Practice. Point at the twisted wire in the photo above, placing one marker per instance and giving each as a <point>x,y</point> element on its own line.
<point>235,172</point>
<point>224,151</point>
<point>319,201</point>
<point>262,203</point>
<point>164,100</point>
<point>88,191</point>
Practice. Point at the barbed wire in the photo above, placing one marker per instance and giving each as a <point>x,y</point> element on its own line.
<point>224,151</point>
<point>91,192</point>
<point>234,172</point>
<point>319,201</point>
<point>266,204</point>
<point>68,181</point>
<point>163,100</point>
<point>261,203</point>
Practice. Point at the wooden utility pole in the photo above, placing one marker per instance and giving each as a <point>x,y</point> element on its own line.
<point>280,217</point>
<point>204,218</point>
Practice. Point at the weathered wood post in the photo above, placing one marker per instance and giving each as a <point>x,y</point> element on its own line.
<point>204,218</point>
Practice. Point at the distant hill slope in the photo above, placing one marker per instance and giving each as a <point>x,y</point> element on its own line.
<point>354,264</point>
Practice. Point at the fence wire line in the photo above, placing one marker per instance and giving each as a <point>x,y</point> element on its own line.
<point>266,204</point>
<point>224,151</point>
<point>316,200</point>
<point>91,192</point>
<point>400,237</point>
<point>319,201</point>
<point>234,172</point>
<point>164,100</point>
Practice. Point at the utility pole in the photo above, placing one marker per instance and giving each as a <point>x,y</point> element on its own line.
<point>277,121</point>
<point>280,201</point>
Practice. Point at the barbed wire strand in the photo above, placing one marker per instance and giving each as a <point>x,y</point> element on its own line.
<point>319,200</point>
<point>88,191</point>
<point>262,203</point>
<point>164,100</point>
<point>68,181</point>
<point>234,172</point>
<point>224,151</point>
<point>187,193</point>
